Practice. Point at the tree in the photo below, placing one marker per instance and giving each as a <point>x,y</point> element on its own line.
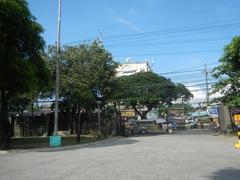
<point>22,68</point>
<point>228,74</point>
<point>183,92</point>
<point>83,68</point>
<point>145,90</point>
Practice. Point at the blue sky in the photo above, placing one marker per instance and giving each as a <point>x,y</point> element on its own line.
<point>83,20</point>
<point>171,34</point>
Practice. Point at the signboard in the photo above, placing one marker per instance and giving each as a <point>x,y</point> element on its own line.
<point>199,114</point>
<point>213,111</point>
<point>127,113</point>
<point>237,118</point>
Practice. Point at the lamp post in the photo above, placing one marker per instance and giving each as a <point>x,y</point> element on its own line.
<point>55,140</point>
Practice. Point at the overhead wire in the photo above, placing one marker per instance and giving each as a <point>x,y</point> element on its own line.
<point>173,31</point>
<point>168,53</point>
<point>168,31</point>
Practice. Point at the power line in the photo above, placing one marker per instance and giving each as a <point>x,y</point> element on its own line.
<point>191,67</point>
<point>180,72</point>
<point>173,31</point>
<point>160,43</point>
<point>169,53</point>
<point>185,75</point>
<point>164,32</point>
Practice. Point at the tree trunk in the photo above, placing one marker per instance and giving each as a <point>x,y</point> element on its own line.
<point>78,124</point>
<point>22,123</point>
<point>116,120</point>
<point>73,119</point>
<point>4,122</point>
<point>142,114</point>
<point>69,118</point>
<point>12,125</point>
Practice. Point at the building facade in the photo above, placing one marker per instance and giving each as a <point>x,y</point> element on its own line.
<point>129,68</point>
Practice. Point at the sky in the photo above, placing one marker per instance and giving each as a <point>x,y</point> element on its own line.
<point>172,35</point>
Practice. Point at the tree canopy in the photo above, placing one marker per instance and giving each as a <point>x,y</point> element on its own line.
<point>21,65</point>
<point>147,90</point>
<point>22,68</point>
<point>83,68</point>
<point>228,74</point>
<point>183,92</point>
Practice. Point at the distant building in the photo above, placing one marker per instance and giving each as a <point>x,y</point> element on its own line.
<point>129,68</point>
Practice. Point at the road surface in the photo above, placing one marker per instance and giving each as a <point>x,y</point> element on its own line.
<point>180,156</point>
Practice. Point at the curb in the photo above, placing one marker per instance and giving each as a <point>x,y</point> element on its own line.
<point>4,152</point>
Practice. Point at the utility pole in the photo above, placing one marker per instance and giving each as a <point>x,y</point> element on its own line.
<point>206,79</point>
<point>100,38</point>
<point>55,140</point>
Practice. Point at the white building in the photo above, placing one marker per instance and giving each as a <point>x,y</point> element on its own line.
<point>130,68</point>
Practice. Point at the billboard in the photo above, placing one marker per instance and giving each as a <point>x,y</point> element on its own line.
<point>128,113</point>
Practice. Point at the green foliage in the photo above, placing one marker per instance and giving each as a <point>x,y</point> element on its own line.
<point>83,68</point>
<point>183,92</point>
<point>23,70</point>
<point>22,67</point>
<point>228,74</point>
<point>147,90</point>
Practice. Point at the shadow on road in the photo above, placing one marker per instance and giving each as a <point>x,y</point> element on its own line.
<point>98,144</point>
<point>226,174</point>
<point>122,141</point>
<point>193,132</point>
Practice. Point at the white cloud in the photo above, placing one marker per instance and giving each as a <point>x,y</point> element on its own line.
<point>128,24</point>
<point>132,12</point>
<point>109,10</point>
<point>199,94</point>
<point>112,13</point>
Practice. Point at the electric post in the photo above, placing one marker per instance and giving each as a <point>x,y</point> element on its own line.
<point>206,79</point>
<point>55,140</point>
<point>100,39</point>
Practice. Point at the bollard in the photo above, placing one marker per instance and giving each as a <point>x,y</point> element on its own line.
<point>55,141</point>
<point>237,145</point>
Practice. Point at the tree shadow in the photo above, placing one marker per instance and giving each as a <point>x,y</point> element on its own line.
<point>226,174</point>
<point>194,132</point>
<point>97,144</point>
<point>118,142</point>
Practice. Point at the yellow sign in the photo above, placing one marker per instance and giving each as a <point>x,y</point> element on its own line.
<point>127,113</point>
<point>237,118</point>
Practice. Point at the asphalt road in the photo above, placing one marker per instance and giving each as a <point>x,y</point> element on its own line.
<point>180,156</point>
